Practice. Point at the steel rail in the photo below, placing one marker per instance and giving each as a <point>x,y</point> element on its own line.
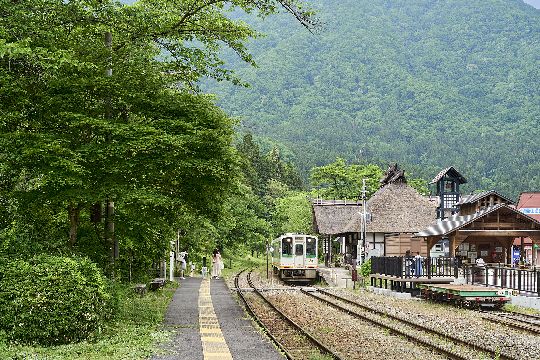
<point>250,310</point>
<point>528,316</point>
<point>509,321</point>
<point>455,339</point>
<point>315,341</point>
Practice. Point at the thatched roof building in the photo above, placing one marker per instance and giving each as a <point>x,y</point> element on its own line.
<point>331,218</point>
<point>395,208</point>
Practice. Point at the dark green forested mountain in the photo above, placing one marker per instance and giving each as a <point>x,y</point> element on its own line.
<point>425,83</point>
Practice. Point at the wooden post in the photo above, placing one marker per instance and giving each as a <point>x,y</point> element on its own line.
<point>537,282</point>
<point>452,244</point>
<point>522,250</point>
<point>534,241</point>
<point>509,250</point>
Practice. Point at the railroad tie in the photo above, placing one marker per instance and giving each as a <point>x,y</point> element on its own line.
<point>213,343</point>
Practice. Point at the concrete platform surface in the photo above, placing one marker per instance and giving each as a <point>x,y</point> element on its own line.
<point>210,324</point>
<point>336,276</point>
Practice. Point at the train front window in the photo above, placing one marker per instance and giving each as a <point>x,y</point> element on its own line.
<point>311,247</point>
<point>286,246</point>
<point>299,250</point>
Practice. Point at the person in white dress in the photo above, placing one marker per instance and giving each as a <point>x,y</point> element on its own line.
<point>219,264</point>
<point>215,264</point>
<point>182,259</point>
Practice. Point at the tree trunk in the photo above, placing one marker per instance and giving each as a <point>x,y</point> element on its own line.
<point>95,213</point>
<point>73,212</point>
<point>109,230</point>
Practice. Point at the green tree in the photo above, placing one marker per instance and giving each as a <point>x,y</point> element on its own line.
<point>95,104</point>
<point>293,214</point>
<point>338,180</point>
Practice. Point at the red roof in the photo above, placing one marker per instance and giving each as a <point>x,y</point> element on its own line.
<point>529,200</point>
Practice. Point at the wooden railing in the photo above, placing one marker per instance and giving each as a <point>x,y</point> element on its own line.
<point>525,281</point>
<point>522,280</point>
<point>403,266</point>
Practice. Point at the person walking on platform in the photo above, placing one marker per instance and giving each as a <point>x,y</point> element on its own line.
<point>408,263</point>
<point>219,264</point>
<point>216,257</point>
<point>479,271</point>
<point>182,258</point>
<point>191,269</point>
<point>204,269</point>
<point>418,259</point>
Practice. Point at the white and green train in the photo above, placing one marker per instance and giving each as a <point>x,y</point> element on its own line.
<point>294,257</point>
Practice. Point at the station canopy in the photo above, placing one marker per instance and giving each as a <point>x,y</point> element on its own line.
<point>500,222</point>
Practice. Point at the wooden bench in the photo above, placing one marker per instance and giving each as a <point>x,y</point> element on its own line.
<point>157,284</point>
<point>140,289</point>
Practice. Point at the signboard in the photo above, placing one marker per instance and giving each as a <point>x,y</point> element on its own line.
<point>515,255</point>
<point>498,249</point>
<point>530,211</point>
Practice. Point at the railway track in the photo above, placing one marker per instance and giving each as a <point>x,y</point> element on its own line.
<point>442,343</point>
<point>295,342</point>
<point>524,322</point>
<point>530,317</point>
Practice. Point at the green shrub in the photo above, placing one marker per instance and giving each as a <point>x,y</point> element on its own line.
<point>365,269</point>
<point>52,300</point>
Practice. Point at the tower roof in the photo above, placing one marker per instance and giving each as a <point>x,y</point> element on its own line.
<point>450,171</point>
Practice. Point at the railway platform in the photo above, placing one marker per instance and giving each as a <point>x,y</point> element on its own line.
<point>336,276</point>
<point>210,325</point>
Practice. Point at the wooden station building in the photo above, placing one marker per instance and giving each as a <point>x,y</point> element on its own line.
<point>394,214</point>
<point>485,226</point>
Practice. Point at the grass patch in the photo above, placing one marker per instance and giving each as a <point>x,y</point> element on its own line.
<point>133,334</point>
<point>233,264</point>
<point>520,309</point>
<point>326,329</point>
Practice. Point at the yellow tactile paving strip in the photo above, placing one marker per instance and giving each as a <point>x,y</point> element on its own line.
<point>213,342</point>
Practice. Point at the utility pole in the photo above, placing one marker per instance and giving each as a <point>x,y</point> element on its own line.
<point>363,224</point>
<point>267,251</point>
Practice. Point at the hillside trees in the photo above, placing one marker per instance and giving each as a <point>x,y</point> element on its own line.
<point>427,84</point>
<point>268,181</point>
<point>82,121</point>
